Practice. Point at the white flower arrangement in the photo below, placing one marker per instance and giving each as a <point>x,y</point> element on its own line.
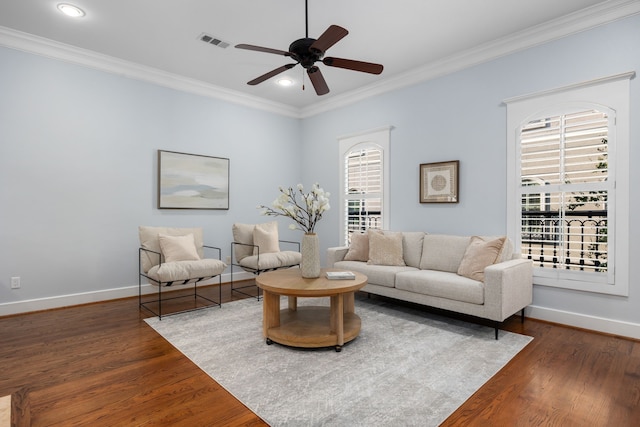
<point>306,212</point>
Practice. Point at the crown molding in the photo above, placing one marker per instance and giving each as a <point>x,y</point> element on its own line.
<point>591,17</point>
<point>583,20</point>
<point>51,49</point>
<point>594,82</point>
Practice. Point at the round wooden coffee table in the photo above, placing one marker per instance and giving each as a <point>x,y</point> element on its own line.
<point>309,326</point>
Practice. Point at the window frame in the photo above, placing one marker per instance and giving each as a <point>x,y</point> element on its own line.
<point>610,94</point>
<point>378,139</point>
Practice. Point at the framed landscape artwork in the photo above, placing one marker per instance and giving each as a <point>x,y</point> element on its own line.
<point>192,181</point>
<point>439,182</point>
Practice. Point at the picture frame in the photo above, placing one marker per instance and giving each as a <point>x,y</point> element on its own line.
<point>192,181</point>
<point>439,182</point>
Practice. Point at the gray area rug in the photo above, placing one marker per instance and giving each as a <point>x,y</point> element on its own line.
<point>406,368</point>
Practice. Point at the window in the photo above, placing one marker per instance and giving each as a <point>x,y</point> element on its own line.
<point>363,187</point>
<point>568,184</point>
<point>565,190</point>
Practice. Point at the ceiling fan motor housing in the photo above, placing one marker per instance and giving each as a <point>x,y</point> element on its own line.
<point>302,53</point>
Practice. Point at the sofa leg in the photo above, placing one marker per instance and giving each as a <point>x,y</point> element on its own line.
<point>496,332</point>
<point>522,316</point>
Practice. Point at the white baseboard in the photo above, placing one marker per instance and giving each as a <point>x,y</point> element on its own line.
<point>38,304</point>
<point>578,320</point>
<point>600,324</point>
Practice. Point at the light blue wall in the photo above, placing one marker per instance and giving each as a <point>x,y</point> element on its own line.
<point>78,167</point>
<point>78,160</point>
<point>461,117</point>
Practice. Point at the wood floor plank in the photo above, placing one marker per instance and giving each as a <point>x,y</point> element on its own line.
<point>564,377</point>
<point>102,365</point>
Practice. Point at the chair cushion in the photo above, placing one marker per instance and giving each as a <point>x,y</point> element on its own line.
<point>149,240</point>
<point>186,270</point>
<point>178,248</point>
<point>272,260</point>
<point>479,255</point>
<point>265,236</point>
<point>243,233</point>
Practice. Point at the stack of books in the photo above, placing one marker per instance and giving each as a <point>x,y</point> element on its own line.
<point>340,275</point>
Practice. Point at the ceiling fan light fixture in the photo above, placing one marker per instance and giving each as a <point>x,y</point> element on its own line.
<point>285,81</point>
<point>306,52</point>
<point>71,10</point>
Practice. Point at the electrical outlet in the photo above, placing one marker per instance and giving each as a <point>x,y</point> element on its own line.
<point>228,260</point>
<point>15,283</point>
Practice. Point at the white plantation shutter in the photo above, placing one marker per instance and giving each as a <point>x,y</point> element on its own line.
<point>568,184</point>
<point>363,189</point>
<point>570,148</point>
<point>565,191</point>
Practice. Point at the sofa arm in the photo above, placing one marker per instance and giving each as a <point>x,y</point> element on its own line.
<point>336,254</point>
<point>508,287</point>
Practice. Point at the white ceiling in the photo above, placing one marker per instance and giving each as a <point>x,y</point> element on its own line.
<point>411,38</point>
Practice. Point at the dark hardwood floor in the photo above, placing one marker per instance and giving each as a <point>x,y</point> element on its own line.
<point>101,365</point>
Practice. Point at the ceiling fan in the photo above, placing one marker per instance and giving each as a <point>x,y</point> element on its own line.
<point>308,51</point>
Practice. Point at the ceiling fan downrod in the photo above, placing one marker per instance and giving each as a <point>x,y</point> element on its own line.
<point>306,18</point>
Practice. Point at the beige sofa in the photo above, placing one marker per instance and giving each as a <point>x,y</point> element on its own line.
<point>477,276</point>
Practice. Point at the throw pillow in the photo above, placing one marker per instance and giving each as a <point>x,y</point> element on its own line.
<point>265,236</point>
<point>178,248</point>
<point>479,255</point>
<point>385,248</point>
<point>359,248</point>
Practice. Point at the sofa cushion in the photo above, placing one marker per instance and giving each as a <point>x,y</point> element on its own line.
<point>385,248</point>
<point>265,237</point>
<point>359,248</point>
<point>479,255</point>
<point>443,252</point>
<point>178,248</point>
<point>382,275</point>
<point>412,242</point>
<point>506,253</point>
<point>441,284</point>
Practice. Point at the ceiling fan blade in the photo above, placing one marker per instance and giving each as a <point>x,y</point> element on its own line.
<point>319,84</point>
<point>270,74</point>
<point>350,64</point>
<point>262,49</point>
<point>331,36</point>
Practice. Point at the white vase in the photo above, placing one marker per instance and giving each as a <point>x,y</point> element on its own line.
<point>310,264</point>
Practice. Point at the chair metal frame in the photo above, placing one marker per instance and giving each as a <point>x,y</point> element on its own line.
<point>255,271</point>
<point>194,280</point>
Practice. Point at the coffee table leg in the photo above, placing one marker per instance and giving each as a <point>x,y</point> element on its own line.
<point>349,303</point>
<point>337,319</point>
<point>270,312</point>
<point>293,303</point>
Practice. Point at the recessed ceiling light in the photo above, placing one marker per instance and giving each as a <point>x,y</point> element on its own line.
<point>71,10</point>
<point>285,81</point>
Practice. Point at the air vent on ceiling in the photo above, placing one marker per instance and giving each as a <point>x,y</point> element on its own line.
<point>207,38</point>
